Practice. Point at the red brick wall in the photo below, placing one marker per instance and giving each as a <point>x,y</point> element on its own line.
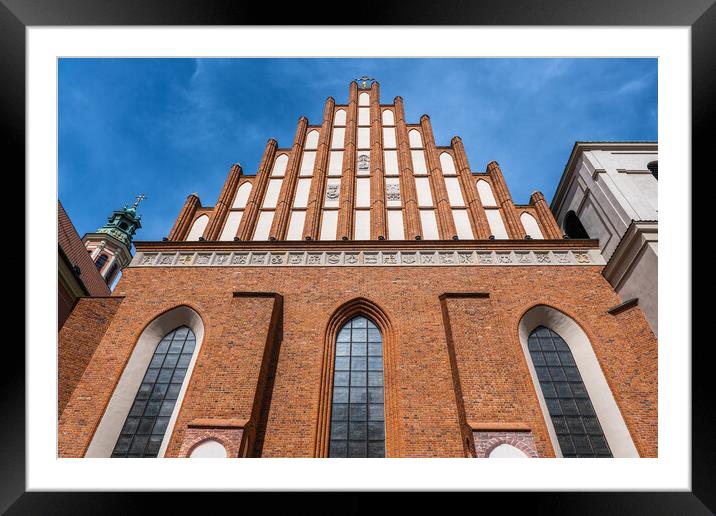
<point>496,385</point>
<point>78,339</point>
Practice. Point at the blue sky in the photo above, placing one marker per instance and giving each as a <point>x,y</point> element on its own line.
<point>170,127</point>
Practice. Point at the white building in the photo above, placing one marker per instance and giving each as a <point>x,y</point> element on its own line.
<point>609,192</point>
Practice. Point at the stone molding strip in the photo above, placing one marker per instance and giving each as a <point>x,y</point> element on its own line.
<point>621,307</point>
<point>360,258</point>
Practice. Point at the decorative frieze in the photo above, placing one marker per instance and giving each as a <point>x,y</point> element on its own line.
<point>388,257</point>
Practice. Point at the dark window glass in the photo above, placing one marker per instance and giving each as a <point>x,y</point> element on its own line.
<point>575,422</point>
<point>101,261</point>
<point>148,418</point>
<point>357,415</point>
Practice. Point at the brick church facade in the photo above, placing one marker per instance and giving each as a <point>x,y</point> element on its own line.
<point>365,293</point>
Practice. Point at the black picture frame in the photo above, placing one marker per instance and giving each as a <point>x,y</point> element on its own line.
<point>700,15</point>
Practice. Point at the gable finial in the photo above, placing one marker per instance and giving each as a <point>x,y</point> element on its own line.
<point>364,81</point>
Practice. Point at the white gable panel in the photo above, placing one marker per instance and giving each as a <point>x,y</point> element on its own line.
<point>263,226</point>
<point>388,118</point>
<point>272,191</point>
<point>309,158</point>
<point>329,224</point>
<point>497,226</point>
<point>419,166</point>
<point>453,190</point>
<point>395,225</point>
<point>231,226</point>
<point>362,225</point>
<point>462,224</point>
<point>242,196</point>
<point>197,229</point>
<point>303,187</point>
<point>295,226</point>
<point>531,226</point>
<point>486,197</point>
<point>430,225</point>
<point>422,186</point>
<point>335,163</point>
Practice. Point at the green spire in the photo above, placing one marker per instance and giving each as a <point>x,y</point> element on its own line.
<point>122,224</point>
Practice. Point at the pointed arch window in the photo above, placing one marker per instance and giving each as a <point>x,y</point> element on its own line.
<point>573,416</point>
<point>147,421</point>
<point>357,427</point>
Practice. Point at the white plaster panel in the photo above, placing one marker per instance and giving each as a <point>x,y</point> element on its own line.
<point>263,225</point>
<point>364,116</point>
<point>395,225</point>
<point>388,117</point>
<point>447,164</point>
<point>279,165</point>
<point>497,226</point>
<point>209,449</point>
<point>242,196</point>
<point>362,225</point>
<point>364,137</point>
<point>335,163</point>
<point>454,192</point>
<point>507,451</point>
<point>197,229</point>
<point>363,99</point>
<point>415,139</point>
<point>531,226</point>
<point>295,225</point>
<point>422,186</point>
<point>362,193</point>
<point>419,166</point>
<point>311,140</point>
<point>303,187</point>
<point>338,139</point>
<point>430,224</point>
<point>389,137</point>
<point>272,192</point>
<point>329,224</point>
<point>340,117</point>
<point>462,224</point>
<point>391,163</point>
<point>485,192</point>
<point>309,158</point>
<point>231,226</point>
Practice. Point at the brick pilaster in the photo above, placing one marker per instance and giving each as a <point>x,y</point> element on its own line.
<point>312,224</point>
<point>251,212</point>
<point>185,218</point>
<point>223,204</point>
<point>347,202</point>
<point>411,215</point>
<point>446,225</point>
<point>377,168</point>
<point>478,219</point>
<point>514,226</point>
<point>288,185</point>
<point>546,220</point>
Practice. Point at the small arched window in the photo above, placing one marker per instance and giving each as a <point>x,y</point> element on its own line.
<point>573,226</point>
<point>654,169</point>
<point>357,413</point>
<point>507,451</point>
<point>101,261</point>
<point>575,422</point>
<point>147,421</point>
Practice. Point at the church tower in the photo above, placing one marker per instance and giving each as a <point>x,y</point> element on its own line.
<point>110,247</point>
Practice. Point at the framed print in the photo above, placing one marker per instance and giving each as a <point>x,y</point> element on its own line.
<point>433,240</point>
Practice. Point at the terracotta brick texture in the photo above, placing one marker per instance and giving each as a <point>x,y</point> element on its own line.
<point>456,357</point>
<point>78,339</point>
